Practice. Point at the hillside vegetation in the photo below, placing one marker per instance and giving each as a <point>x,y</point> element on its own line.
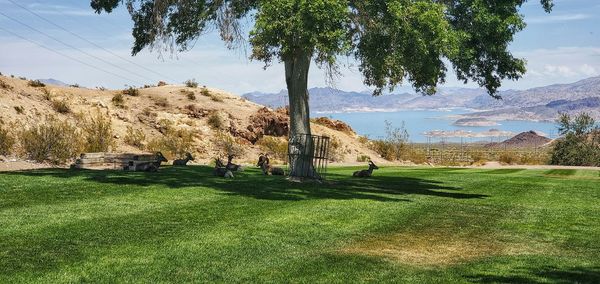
<point>171,118</point>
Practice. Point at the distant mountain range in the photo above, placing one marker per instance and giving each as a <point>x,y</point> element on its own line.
<point>542,103</point>
<point>54,82</point>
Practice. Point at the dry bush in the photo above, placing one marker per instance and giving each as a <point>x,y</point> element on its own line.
<point>54,141</point>
<point>61,106</point>
<point>336,150</point>
<point>5,86</point>
<point>118,100</point>
<point>97,132</point>
<point>215,121</point>
<point>135,137</point>
<point>533,158</point>
<point>46,94</point>
<point>189,94</point>
<point>131,91</point>
<point>508,158</point>
<point>161,102</point>
<point>7,139</point>
<point>75,86</point>
<point>19,109</point>
<point>216,98</point>
<point>363,158</point>
<point>275,146</point>
<point>161,83</point>
<point>174,142</point>
<point>415,155</point>
<point>227,144</point>
<point>191,83</point>
<point>478,157</point>
<point>363,140</point>
<point>36,84</point>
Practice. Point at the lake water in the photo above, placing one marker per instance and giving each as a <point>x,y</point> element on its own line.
<point>417,122</point>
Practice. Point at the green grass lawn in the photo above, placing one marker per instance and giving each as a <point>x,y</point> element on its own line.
<point>403,224</point>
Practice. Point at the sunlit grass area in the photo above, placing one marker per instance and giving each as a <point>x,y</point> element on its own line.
<point>403,224</point>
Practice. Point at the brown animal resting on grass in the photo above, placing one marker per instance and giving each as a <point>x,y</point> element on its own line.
<point>366,173</point>
<point>233,167</point>
<point>184,161</point>
<point>267,169</point>
<point>151,166</point>
<point>220,170</point>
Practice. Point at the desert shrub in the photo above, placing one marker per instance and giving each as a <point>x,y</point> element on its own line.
<point>7,139</point>
<point>161,102</point>
<point>191,83</point>
<point>174,142</point>
<point>274,146</point>
<point>215,121</point>
<point>75,86</point>
<point>118,100</point>
<point>205,92</point>
<point>161,83</point>
<point>227,144</point>
<point>46,94</point>
<point>135,137</point>
<point>97,132</point>
<point>101,88</point>
<point>189,94</point>
<point>363,140</point>
<point>19,109</point>
<point>394,144</point>
<point>580,141</point>
<point>61,106</point>
<point>216,98</point>
<point>508,158</point>
<point>363,158</point>
<point>5,86</point>
<point>54,141</point>
<point>131,91</point>
<point>36,83</point>
<point>336,149</point>
<point>533,158</point>
<point>478,157</point>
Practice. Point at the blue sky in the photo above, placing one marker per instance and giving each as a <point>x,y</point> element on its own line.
<point>560,47</point>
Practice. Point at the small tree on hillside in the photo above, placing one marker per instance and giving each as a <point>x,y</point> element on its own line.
<point>393,40</point>
<point>580,141</point>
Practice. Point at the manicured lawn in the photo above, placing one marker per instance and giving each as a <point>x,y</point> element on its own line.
<point>403,224</point>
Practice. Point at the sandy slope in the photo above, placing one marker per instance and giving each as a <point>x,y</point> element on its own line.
<point>234,109</point>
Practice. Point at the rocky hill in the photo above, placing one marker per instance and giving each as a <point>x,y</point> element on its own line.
<point>150,109</point>
<point>522,140</point>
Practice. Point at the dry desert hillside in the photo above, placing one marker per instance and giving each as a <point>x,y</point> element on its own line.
<point>209,115</point>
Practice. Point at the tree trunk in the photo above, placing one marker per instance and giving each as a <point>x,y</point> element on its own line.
<point>296,78</point>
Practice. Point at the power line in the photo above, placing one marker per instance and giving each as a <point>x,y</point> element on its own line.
<point>75,48</point>
<point>88,41</point>
<point>65,55</point>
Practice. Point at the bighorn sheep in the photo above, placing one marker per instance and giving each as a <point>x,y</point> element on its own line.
<point>152,166</point>
<point>220,170</point>
<point>268,169</point>
<point>366,173</point>
<point>233,167</point>
<point>184,161</point>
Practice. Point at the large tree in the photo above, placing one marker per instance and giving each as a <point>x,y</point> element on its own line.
<point>394,41</point>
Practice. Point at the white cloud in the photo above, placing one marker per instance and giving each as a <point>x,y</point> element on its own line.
<point>557,18</point>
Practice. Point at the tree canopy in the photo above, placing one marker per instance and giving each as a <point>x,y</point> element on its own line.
<point>393,40</point>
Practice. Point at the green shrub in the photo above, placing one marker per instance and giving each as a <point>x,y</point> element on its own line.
<point>61,106</point>
<point>118,100</point>
<point>54,141</point>
<point>174,142</point>
<point>19,109</point>
<point>131,91</point>
<point>191,83</point>
<point>135,137</point>
<point>274,146</point>
<point>580,142</point>
<point>205,92</point>
<point>36,83</point>
<point>75,86</point>
<point>215,121</point>
<point>97,132</point>
<point>7,140</point>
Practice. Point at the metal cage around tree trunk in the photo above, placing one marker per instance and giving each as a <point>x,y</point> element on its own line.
<point>308,156</point>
